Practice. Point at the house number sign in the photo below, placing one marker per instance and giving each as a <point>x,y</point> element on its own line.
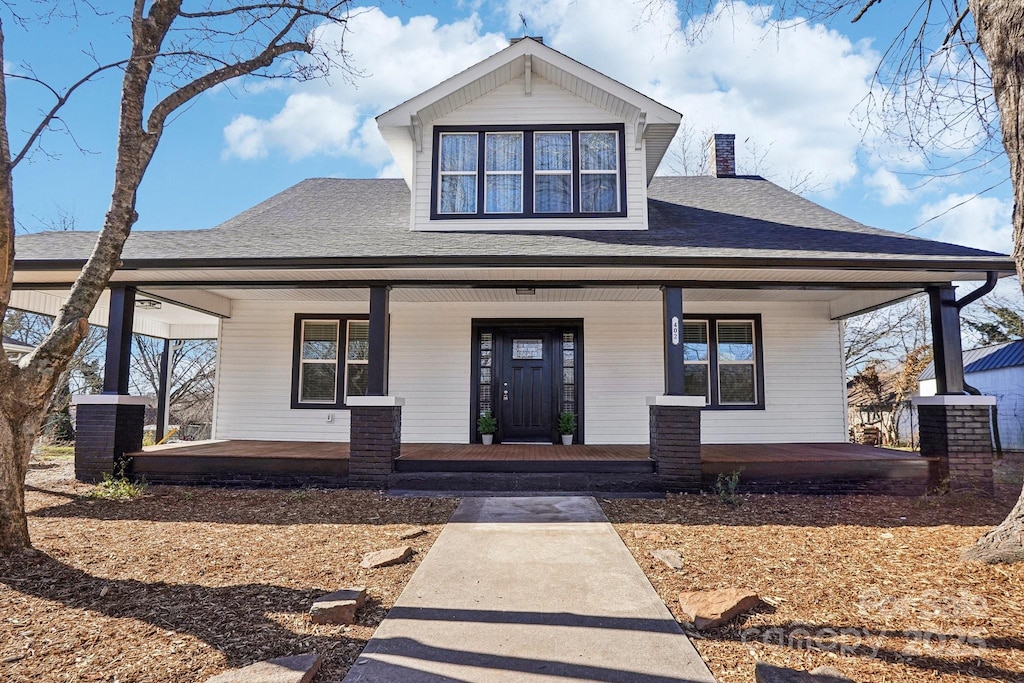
<point>675,331</point>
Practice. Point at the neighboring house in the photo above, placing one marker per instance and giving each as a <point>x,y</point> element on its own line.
<point>996,370</point>
<point>15,349</point>
<point>528,262</point>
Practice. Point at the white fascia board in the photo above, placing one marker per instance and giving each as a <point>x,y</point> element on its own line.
<point>401,116</point>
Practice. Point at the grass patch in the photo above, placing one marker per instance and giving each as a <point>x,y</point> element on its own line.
<point>116,488</point>
<point>54,451</point>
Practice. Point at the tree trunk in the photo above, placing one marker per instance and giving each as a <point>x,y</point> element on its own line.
<point>17,434</point>
<point>1000,26</point>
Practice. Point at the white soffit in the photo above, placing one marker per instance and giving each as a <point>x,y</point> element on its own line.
<point>167,322</point>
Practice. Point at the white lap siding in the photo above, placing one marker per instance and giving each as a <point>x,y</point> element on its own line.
<point>430,366</point>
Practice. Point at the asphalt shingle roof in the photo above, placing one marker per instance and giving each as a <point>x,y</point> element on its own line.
<point>689,217</point>
<point>1006,355</point>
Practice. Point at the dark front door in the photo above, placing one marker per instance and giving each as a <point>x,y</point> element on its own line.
<point>526,387</point>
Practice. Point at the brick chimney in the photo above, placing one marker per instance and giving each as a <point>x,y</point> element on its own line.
<point>722,155</point>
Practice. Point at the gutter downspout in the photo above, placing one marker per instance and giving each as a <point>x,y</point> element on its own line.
<point>990,283</point>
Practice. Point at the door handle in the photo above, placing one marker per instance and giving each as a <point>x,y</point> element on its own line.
<point>504,395</point>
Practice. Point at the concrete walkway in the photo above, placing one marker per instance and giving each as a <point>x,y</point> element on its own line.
<point>529,589</point>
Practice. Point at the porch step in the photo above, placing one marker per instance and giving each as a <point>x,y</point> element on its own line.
<point>527,466</point>
<point>591,482</point>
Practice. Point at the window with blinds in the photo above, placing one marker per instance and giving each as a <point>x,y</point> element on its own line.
<point>722,361</point>
<point>330,360</point>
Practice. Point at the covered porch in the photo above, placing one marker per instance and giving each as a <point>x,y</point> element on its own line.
<point>385,381</point>
<point>763,468</point>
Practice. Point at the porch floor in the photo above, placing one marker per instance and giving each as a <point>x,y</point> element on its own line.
<point>763,468</point>
<point>710,453</point>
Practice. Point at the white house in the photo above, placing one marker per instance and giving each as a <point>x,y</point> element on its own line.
<point>529,262</point>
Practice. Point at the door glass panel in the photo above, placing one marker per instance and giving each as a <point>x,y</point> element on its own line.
<point>484,387</point>
<point>527,349</point>
<point>568,372</point>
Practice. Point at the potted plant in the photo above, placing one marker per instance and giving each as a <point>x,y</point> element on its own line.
<point>487,425</point>
<point>566,427</point>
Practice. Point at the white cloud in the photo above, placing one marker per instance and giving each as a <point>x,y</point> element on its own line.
<point>394,60</point>
<point>788,94</point>
<point>980,222</point>
<point>887,187</point>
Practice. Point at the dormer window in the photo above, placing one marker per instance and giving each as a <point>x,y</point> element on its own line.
<point>542,172</point>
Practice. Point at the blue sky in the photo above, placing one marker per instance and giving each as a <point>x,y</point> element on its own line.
<point>793,98</point>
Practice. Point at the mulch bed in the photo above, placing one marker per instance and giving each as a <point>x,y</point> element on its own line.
<point>184,583</point>
<point>871,585</point>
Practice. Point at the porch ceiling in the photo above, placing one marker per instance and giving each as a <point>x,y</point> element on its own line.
<point>842,302</point>
<point>169,321</point>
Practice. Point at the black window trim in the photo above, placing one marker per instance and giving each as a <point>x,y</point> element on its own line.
<point>340,377</point>
<point>712,321</point>
<point>528,212</point>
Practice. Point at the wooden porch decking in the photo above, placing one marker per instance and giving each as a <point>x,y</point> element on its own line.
<point>710,453</point>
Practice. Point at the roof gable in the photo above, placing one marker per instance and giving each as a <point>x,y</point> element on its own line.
<point>403,125</point>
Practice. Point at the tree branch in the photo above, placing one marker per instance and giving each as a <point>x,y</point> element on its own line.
<point>182,95</point>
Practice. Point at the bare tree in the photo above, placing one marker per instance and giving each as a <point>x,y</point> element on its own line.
<point>175,55</point>
<point>688,155</point>
<point>887,335</point>
<point>193,366</point>
<point>950,84</point>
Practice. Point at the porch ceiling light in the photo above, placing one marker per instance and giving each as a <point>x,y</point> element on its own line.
<point>148,304</point>
<point>526,291</point>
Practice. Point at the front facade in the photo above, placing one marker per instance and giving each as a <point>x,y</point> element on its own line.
<point>528,264</point>
<point>595,352</point>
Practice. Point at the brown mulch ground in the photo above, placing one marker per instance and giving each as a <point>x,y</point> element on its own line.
<point>870,585</point>
<point>184,583</point>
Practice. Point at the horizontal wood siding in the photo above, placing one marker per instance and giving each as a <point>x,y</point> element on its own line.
<point>255,375</point>
<point>804,387</point>
<point>548,104</point>
<point>431,360</point>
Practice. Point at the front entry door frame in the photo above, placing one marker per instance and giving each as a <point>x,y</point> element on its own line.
<point>502,331</point>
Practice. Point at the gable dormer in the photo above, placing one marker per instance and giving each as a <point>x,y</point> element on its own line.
<point>529,139</point>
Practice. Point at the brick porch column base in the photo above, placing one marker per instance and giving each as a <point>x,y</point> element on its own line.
<point>957,431</point>
<point>106,427</point>
<point>675,440</point>
<point>375,440</point>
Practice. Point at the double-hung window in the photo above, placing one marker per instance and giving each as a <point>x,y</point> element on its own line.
<point>329,360</point>
<point>599,172</point>
<point>552,172</point>
<point>503,173</point>
<point>543,172</point>
<point>458,173</point>
<point>723,361</point>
